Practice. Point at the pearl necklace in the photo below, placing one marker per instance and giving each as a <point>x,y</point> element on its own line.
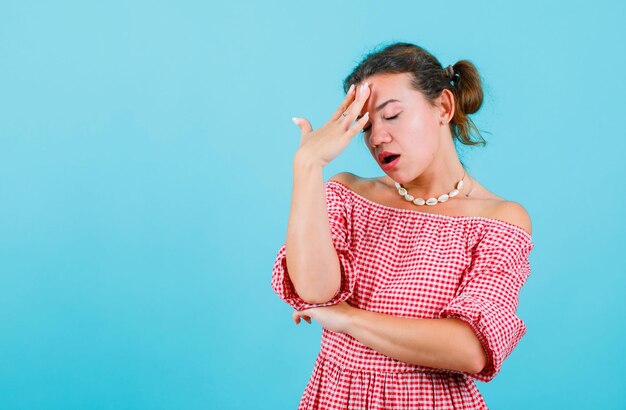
<point>431,201</point>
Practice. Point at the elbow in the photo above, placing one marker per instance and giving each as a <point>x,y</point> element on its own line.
<point>477,369</point>
<point>474,357</point>
<point>479,362</point>
<point>315,285</point>
<point>314,293</point>
<point>321,296</point>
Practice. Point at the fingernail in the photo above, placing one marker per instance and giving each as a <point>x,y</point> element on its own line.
<point>351,88</point>
<point>295,120</point>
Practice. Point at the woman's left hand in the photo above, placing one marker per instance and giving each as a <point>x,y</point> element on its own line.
<point>334,318</point>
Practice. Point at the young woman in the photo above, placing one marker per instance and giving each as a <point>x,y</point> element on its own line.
<point>415,275</point>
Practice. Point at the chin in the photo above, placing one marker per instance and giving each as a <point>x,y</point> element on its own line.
<point>403,179</point>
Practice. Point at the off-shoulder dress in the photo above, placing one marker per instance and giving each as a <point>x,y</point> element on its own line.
<point>413,264</point>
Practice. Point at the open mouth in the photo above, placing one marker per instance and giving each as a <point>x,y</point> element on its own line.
<point>390,158</point>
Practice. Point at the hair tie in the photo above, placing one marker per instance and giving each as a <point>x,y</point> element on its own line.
<point>449,70</point>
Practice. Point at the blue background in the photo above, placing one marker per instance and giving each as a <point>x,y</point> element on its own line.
<point>145,183</point>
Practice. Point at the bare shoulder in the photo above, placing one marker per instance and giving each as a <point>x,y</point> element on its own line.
<point>500,208</point>
<point>347,178</point>
<point>513,213</point>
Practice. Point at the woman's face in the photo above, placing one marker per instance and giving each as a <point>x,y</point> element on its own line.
<point>401,122</point>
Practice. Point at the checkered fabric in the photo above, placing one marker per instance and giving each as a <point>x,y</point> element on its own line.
<point>410,263</point>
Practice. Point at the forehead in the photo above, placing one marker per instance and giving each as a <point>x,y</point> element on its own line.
<point>383,84</point>
<point>390,86</point>
<point>386,81</point>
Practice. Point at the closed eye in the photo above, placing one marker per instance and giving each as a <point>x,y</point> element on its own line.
<point>369,125</point>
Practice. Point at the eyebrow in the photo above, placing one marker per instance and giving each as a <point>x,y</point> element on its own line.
<point>381,106</point>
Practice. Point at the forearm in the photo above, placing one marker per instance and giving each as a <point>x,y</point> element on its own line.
<point>447,343</point>
<point>312,260</point>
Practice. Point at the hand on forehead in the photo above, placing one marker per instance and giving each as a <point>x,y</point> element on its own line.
<point>385,89</point>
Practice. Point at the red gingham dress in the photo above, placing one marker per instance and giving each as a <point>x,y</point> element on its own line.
<point>409,263</point>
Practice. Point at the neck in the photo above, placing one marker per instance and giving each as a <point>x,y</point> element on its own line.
<point>441,176</point>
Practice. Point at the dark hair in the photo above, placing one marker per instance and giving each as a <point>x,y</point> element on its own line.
<point>429,78</point>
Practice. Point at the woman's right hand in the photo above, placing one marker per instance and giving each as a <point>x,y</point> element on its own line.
<point>326,143</point>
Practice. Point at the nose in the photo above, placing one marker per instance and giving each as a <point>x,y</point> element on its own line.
<point>378,135</point>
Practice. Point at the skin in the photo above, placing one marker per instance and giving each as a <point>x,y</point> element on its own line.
<point>414,129</point>
<point>428,166</point>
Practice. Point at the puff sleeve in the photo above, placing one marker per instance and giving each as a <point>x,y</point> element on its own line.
<point>488,295</point>
<point>339,207</point>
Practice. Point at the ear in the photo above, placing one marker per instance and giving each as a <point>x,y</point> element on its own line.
<point>446,106</point>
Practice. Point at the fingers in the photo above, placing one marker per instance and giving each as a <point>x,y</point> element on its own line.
<point>303,124</point>
<point>297,315</point>
<point>297,319</point>
<point>345,103</point>
<point>353,110</point>
<point>357,126</point>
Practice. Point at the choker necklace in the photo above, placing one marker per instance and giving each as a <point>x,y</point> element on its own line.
<point>431,201</point>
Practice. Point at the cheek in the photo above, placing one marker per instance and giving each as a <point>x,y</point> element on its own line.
<point>423,129</point>
<point>420,123</point>
<point>422,142</point>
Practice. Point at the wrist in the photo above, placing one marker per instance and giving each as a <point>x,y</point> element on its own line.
<point>353,316</point>
<point>304,160</point>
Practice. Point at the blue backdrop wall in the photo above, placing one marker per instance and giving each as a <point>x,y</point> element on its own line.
<point>146,171</point>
